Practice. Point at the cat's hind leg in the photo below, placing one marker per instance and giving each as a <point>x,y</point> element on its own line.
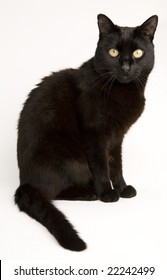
<point>86,193</point>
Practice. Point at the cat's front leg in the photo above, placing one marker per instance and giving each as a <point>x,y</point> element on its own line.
<point>116,176</point>
<point>102,183</point>
<point>96,151</point>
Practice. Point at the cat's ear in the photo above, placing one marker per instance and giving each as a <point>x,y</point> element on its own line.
<point>149,26</point>
<point>105,24</point>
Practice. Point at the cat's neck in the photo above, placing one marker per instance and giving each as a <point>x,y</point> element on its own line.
<point>88,68</point>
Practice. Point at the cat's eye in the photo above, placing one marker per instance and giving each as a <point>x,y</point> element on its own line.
<point>138,53</point>
<point>113,52</point>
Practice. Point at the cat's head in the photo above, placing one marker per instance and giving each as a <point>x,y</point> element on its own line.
<point>127,53</point>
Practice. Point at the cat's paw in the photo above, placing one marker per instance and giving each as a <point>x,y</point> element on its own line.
<point>110,196</point>
<point>128,192</point>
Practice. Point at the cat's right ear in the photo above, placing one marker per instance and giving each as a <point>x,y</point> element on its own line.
<point>105,25</point>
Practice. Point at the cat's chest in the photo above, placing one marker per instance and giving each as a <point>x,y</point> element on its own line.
<point>124,114</point>
<point>117,115</point>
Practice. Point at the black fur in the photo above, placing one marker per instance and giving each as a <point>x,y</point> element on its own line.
<point>72,126</point>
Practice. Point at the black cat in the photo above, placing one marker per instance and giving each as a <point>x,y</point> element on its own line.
<point>72,126</point>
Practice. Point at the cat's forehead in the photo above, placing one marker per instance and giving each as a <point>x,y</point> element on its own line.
<point>123,38</point>
<point>126,33</point>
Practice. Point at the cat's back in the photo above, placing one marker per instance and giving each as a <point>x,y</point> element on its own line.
<point>50,107</point>
<point>54,95</point>
<point>53,89</point>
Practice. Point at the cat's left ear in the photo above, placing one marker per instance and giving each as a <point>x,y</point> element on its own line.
<point>149,26</point>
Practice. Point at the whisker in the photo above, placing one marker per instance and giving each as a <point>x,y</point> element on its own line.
<point>107,87</point>
<point>140,81</point>
<point>111,81</point>
<point>102,79</point>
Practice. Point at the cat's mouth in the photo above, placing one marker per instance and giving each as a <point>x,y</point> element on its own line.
<point>125,79</point>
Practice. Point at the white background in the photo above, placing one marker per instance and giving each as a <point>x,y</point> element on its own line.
<point>40,36</point>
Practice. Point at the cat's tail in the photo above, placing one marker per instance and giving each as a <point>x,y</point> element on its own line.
<point>31,201</point>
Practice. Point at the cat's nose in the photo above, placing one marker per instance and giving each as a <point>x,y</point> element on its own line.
<point>125,67</point>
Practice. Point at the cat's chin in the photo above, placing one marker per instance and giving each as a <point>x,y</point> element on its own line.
<point>125,79</point>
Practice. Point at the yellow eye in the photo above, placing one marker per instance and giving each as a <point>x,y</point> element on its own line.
<point>113,52</point>
<point>138,53</point>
